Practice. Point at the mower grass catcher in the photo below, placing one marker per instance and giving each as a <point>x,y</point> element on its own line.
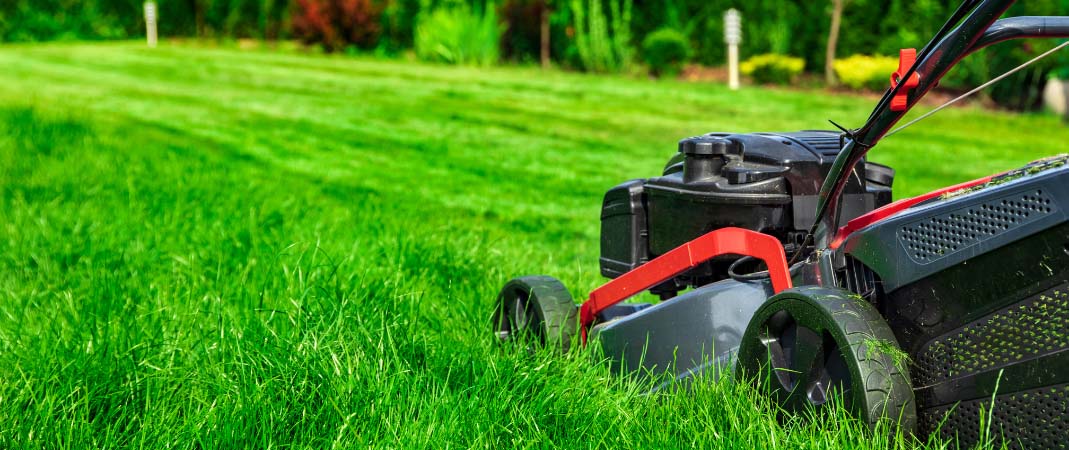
<point>804,274</point>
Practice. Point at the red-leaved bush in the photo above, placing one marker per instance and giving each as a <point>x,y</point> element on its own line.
<point>337,24</point>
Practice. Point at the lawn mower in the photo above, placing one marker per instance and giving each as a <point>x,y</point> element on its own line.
<point>783,254</point>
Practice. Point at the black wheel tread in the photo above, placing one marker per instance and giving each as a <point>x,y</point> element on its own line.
<point>557,313</point>
<point>883,379</point>
<point>863,323</point>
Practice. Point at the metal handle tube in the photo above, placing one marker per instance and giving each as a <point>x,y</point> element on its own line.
<point>1024,27</point>
<point>932,65</point>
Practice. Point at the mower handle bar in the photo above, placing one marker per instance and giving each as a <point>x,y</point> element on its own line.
<point>1023,27</point>
<point>978,30</point>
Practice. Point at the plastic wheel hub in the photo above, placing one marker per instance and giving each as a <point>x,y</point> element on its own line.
<point>809,362</point>
<point>809,344</point>
<point>538,308</point>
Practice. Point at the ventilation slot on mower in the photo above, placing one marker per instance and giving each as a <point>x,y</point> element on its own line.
<point>936,237</point>
<point>858,279</point>
<point>1028,419</point>
<point>824,143</point>
<point>1001,339</point>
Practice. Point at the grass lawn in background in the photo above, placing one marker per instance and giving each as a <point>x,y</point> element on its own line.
<point>213,248</point>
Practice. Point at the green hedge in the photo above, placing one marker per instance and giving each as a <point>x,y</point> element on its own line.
<point>771,68</point>
<point>866,72</point>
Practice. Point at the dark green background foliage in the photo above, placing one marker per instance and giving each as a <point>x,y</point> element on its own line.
<point>796,27</point>
<point>800,28</point>
<point>43,20</point>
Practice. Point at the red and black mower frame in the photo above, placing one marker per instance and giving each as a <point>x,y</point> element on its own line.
<point>907,310</point>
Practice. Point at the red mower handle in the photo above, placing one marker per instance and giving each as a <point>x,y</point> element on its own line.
<point>725,241</point>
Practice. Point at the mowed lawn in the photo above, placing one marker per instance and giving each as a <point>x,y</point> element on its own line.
<point>213,248</point>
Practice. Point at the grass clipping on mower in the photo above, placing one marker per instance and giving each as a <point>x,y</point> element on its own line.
<point>1032,168</point>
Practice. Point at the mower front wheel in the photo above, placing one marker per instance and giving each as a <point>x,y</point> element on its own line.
<point>809,344</point>
<point>539,308</point>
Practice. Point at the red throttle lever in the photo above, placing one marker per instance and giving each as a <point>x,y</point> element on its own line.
<point>906,58</point>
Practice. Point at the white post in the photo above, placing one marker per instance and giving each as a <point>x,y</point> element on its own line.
<point>732,37</point>
<point>150,23</point>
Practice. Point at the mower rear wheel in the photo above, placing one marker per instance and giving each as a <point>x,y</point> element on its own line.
<point>813,343</point>
<point>538,308</point>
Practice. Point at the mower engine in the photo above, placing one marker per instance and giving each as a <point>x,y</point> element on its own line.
<point>765,182</point>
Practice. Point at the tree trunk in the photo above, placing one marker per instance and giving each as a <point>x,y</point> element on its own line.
<point>833,41</point>
<point>198,17</point>
<point>545,35</point>
<point>1065,92</point>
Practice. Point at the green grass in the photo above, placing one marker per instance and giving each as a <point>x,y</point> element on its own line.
<point>207,248</point>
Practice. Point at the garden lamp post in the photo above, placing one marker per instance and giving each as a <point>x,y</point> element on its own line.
<point>150,23</point>
<point>732,37</point>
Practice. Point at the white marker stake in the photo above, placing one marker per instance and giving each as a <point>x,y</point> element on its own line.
<point>150,23</point>
<point>732,37</point>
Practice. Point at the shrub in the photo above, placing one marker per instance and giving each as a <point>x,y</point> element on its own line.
<point>337,24</point>
<point>773,68</point>
<point>866,72</point>
<point>459,34</point>
<point>665,50</point>
<point>601,49</point>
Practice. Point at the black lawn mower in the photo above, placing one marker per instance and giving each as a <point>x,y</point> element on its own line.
<point>800,267</point>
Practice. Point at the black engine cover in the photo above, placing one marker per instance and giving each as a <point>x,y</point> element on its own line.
<point>767,182</point>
